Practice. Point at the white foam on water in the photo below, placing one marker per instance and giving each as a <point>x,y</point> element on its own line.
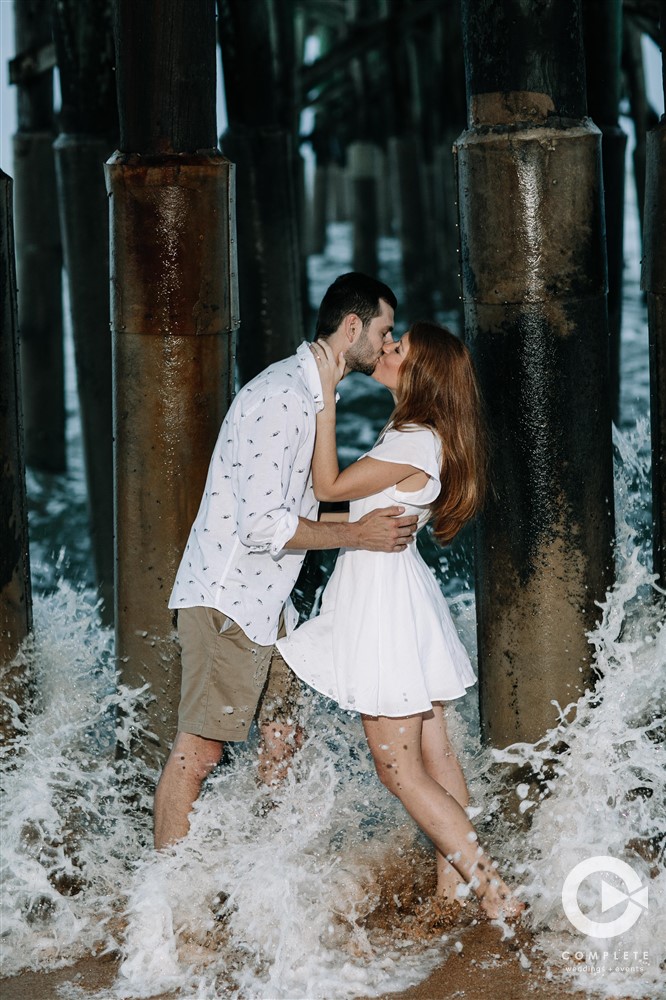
<point>66,834</point>
<point>605,791</point>
<point>275,898</point>
<point>268,897</point>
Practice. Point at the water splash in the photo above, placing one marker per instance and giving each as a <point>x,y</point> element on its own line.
<point>67,832</point>
<point>312,894</point>
<point>600,773</point>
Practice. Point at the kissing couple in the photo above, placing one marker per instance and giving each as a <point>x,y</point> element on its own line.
<point>383,644</point>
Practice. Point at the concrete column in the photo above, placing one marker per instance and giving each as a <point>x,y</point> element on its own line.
<point>603,50</point>
<point>38,249</point>
<point>15,593</point>
<point>268,242</point>
<point>318,209</point>
<point>362,165</point>
<point>654,284</point>
<point>174,315</point>
<point>445,205</point>
<point>417,248</point>
<point>258,58</point>
<point>385,215</point>
<point>534,289</point>
<point>452,115</point>
<point>89,134</point>
<point>338,182</point>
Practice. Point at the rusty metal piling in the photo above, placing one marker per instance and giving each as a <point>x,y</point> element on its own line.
<point>15,592</point>
<point>534,289</point>
<point>174,317</point>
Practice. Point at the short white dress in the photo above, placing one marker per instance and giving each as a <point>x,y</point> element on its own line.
<point>384,642</point>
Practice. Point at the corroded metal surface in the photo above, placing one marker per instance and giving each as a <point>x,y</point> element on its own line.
<point>174,316</point>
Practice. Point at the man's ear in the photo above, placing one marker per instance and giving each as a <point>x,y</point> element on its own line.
<point>353,326</point>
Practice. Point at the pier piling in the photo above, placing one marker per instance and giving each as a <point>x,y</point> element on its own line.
<point>38,249</point>
<point>654,284</point>
<point>603,50</point>
<point>89,134</point>
<point>534,289</point>
<point>174,315</point>
<point>257,46</point>
<point>15,592</point>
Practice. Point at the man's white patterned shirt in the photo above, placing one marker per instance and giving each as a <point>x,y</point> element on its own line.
<point>259,482</point>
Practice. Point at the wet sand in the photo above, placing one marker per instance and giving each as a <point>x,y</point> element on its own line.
<point>489,969</point>
<point>486,969</point>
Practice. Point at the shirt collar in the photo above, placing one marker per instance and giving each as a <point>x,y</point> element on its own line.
<point>311,375</point>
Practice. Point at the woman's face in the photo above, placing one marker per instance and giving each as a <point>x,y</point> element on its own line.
<point>388,366</point>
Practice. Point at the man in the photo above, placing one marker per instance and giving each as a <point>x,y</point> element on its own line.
<point>256,521</point>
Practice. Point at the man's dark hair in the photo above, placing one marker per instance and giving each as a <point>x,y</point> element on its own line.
<point>351,293</point>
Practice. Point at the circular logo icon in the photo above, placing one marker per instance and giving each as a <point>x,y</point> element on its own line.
<point>635,898</point>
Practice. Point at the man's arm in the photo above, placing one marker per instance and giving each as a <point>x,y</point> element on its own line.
<point>266,520</point>
<point>381,530</point>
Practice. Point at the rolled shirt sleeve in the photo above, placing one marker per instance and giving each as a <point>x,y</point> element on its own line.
<point>267,442</point>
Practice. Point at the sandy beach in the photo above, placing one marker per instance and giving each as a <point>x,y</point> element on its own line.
<point>485,969</point>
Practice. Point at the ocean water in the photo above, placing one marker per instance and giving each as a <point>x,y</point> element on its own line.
<point>315,893</point>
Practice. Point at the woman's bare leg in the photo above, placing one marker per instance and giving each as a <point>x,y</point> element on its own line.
<point>395,745</point>
<point>442,765</point>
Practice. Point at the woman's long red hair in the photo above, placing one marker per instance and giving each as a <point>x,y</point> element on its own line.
<point>437,388</point>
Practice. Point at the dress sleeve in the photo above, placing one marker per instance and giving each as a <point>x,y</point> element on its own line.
<point>419,447</point>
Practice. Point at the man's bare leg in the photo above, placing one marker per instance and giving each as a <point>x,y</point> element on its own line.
<point>191,760</point>
<point>281,735</point>
<point>279,743</point>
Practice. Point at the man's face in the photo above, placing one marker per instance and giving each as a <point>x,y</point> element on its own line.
<point>366,350</point>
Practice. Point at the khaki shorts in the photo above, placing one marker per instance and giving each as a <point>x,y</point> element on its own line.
<point>225,675</point>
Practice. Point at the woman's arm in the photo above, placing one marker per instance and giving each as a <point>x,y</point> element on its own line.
<point>362,478</point>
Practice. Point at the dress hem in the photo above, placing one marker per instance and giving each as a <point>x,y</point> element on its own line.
<point>375,715</point>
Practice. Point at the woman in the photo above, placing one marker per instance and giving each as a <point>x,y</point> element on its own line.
<point>384,643</point>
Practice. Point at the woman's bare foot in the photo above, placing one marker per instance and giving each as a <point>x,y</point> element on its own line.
<point>438,914</point>
<point>451,886</point>
<point>497,902</point>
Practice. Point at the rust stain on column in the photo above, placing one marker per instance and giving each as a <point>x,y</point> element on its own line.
<point>174,317</point>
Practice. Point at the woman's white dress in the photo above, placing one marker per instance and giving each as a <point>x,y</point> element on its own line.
<point>384,642</point>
